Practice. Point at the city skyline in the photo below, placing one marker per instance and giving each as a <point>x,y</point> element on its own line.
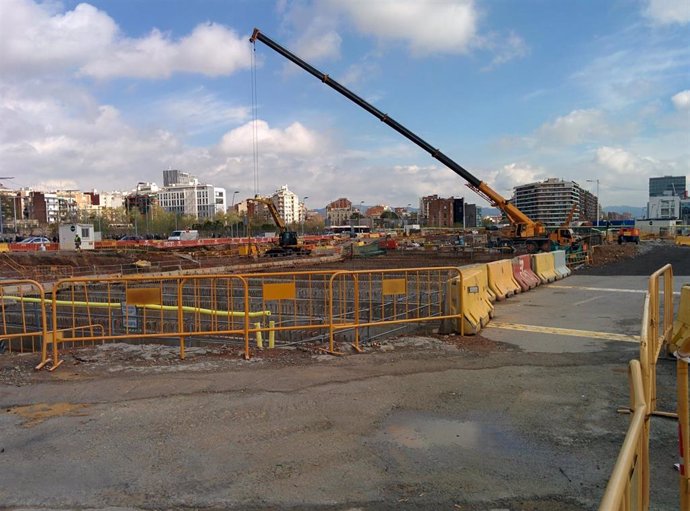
<point>581,91</point>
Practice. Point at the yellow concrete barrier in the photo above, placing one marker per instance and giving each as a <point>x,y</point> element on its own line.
<point>683,240</point>
<point>543,266</point>
<point>471,297</point>
<point>501,280</point>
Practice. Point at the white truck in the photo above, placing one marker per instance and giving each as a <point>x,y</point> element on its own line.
<point>184,235</point>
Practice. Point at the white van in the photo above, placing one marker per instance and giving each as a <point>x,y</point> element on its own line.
<point>183,235</point>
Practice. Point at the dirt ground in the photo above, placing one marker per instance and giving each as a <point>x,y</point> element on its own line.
<point>418,422</point>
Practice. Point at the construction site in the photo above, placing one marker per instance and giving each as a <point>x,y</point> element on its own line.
<point>408,379</point>
<point>525,368</point>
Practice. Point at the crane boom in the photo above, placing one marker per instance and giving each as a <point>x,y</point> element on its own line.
<point>523,225</point>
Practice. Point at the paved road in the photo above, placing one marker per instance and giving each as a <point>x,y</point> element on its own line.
<point>416,424</point>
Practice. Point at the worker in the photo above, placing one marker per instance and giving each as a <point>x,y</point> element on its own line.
<point>77,242</point>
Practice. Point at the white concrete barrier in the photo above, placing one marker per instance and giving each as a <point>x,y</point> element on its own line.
<point>559,263</point>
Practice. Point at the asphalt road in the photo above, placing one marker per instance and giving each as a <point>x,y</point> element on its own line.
<point>525,420</point>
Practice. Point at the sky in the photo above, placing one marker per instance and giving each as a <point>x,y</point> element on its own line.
<point>106,94</point>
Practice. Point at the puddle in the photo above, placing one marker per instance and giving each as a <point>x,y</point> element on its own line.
<point>35,414</point>
<point>423,431</point>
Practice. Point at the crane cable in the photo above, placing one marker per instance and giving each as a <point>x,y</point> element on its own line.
<point>255,120</point>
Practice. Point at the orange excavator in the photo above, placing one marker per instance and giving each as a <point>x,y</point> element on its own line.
<point>522,229</point>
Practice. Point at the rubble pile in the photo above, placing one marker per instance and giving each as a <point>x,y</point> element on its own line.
<point>607,254</point>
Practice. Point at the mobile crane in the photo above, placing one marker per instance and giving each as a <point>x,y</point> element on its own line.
<point>522,229</point>
<point>288,243</point>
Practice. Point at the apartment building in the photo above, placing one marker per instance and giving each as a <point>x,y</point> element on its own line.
<point>287,204</point>
<point>339,212</point>
<point>551,201</point>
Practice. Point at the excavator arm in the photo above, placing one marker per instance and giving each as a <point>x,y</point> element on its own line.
<point>524,226</point>
<point>280,223</point>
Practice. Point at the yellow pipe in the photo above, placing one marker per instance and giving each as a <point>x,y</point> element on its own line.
<point>271,334</point>
<point>117,305</point>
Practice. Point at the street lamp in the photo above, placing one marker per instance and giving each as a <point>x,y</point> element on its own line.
<point>598,201</point>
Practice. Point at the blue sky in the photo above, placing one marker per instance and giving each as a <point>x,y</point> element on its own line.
<point>109,93</point>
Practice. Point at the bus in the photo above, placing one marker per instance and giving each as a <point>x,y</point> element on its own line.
<point>352,230</point>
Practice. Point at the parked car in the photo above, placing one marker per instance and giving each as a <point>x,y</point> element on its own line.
<point>131,237</point>
<point>35,239</point>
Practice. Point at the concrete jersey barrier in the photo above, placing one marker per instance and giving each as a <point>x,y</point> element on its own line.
<point>523,274</point>
<point>560,266</point>
<point>501,280</point>
<point>472,299</point>
<point>544,268</point>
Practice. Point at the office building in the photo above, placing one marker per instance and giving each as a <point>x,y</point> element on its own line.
<point>667,186</point>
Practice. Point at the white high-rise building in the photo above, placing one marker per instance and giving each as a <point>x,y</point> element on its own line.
<point>185,196</point>
<point>287,204</point>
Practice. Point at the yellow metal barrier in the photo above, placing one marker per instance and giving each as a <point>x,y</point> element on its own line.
<point>681,341</point>
<point>297,303</point>
<point>628,487</point>
<point>657,330</point>
<point>23,314</point>
<point>378,298</point>
<point>501,280</point>
<point>543,266</point>
<point>136,308</point>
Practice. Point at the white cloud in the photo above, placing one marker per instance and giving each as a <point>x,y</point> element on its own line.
<point>293,140</point>
<point>669,11</point>
<point>511,175</point>
<point>504,48</point>
<point>34,40</point>
<point>198,110</point>
<point>682,100</point>
<point>582,126</point>
<point>426,26</point>
<point>634,66</point>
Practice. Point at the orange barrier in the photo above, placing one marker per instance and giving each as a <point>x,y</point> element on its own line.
<point>681,340</point>
<point>381,298</point>
<point>628,487</point>
<point>23,314</point>
<point>501,280</point>
<point>543,267</point>
<point>523,274</point>
<point>682,240</point>
<point>142,308</point>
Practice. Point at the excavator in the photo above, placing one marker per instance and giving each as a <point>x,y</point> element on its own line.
<point>521,231</point>
<point>563,237</point>
<point>288,244</point>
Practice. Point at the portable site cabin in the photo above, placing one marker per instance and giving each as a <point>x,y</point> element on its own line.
<point>68,233</point>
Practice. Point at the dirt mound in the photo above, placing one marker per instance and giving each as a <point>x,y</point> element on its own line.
<point>607,254</point>
<point>647,258</point>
